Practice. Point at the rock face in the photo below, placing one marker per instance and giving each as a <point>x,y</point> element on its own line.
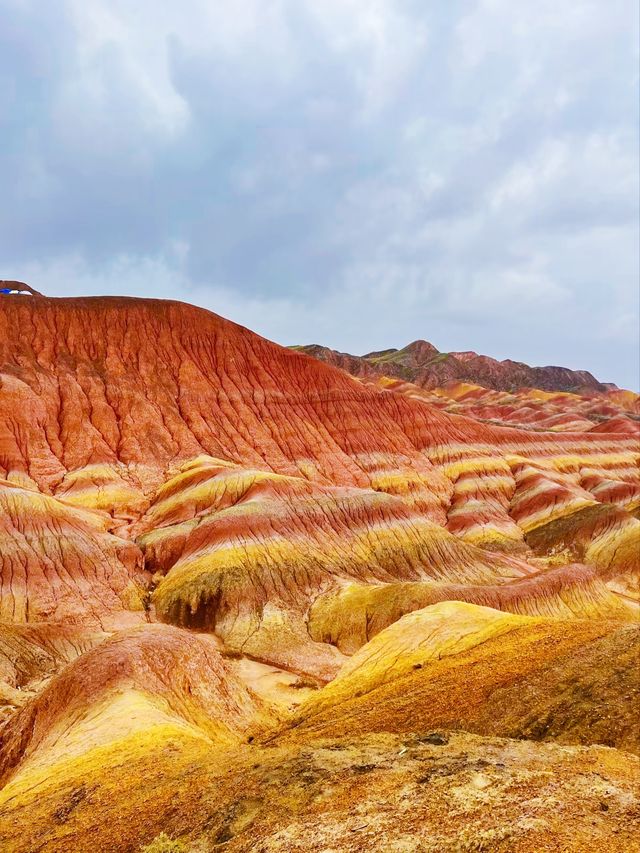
<point>422,364</point>
<point>151,674</point>
<point>529,408</point>
<point>474,668</point>
<point>60,564</point>
<point>207,539</point>
<point>498,392</point>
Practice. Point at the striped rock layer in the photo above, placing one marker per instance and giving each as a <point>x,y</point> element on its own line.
<point>201,530</point>
<point>502,392</point>
<point>528,408</point>
<point>424,365</point>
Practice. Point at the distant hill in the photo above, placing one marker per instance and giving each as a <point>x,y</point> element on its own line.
<point>424,365</point>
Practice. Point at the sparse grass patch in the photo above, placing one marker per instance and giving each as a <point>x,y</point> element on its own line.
<point>163,844</point>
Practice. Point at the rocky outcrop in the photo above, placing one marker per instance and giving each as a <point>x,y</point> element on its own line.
<point>188,510</point>
<point>501,393</point>
<point>424,790</point>
<point>482,670</point>
<point>59,563</point>
<point>425,366</point>
<point>528,408</point>
<point>353,614</point>
<point>153,681</point>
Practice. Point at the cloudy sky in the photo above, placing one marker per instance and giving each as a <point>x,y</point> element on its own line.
<point>358,173</point>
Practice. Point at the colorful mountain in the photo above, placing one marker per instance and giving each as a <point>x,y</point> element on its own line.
<point>254,603</point>
<point>504,393</point>
<point>425,366</point>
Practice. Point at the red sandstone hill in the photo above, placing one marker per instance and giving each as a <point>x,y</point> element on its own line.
<point>424,365</point>
<point>148,383</point>
<point>312,542</point>
<point>447,381</point>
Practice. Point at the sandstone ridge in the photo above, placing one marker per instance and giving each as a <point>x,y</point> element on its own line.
<point>253,590</point>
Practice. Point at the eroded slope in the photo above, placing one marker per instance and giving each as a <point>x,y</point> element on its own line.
<point>293,528</point>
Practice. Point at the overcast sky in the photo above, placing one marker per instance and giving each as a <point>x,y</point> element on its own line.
<point>357,173</point>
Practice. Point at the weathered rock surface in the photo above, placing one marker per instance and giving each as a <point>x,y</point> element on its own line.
<point>189,512</point>
<point>152,677</point>
<point>60,564</point>
<point>421,791</point>
<point>424,365</point>
<point>499,392</point>
<point>459,666</point>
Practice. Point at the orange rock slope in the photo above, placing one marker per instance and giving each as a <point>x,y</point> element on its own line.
<point>530,408</point>
<point>500,392</point>
<point>203,534</point>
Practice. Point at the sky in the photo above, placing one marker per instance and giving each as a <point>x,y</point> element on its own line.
<point>355,173</point>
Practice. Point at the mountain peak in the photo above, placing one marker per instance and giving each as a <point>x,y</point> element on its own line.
<point>421,363</point>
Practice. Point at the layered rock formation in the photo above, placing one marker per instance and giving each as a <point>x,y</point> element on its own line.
<point>477,669</point>
<point>499,392</point>
<point>424,365</point>
<point>529,408</point>
<point>60,564</point>
<point>154,681</point>
<point>207,539</point>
